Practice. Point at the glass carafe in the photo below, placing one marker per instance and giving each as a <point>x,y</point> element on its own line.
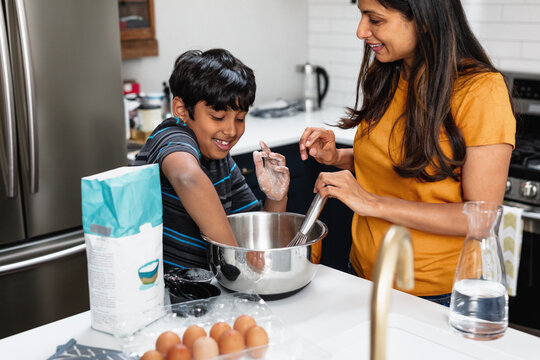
<point>479,302</point>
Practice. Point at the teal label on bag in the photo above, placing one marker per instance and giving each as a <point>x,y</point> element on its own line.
<point>118,202</point>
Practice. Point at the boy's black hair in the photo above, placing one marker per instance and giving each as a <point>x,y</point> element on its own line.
<point>214,76</point>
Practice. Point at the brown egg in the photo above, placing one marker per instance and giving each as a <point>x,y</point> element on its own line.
<point>205,348</point>
<point>167,340</point>
<point>218,329</point>
<point>152,355</point>
<point>231,341</point>
<point>179,352</point>
<point>191,334</point>
<point>255,337</point>
<point>243,323</point>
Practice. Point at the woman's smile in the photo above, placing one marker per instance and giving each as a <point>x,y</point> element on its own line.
<point>376,47</point>
<point>390,35</point>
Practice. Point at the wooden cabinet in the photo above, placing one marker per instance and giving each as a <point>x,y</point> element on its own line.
<point>137,28</point>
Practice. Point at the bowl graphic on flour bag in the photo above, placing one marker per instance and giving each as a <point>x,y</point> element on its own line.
<point>149,271</point>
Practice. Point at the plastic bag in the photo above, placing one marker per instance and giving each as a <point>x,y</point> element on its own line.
<point>123,226</point>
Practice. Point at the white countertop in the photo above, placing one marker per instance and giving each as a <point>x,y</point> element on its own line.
<point>331,312</point>
<point>287,130</point>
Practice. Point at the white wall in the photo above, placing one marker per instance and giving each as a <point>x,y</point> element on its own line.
<point>268,36</point>
<point>508,29</point>
<point>333,44</point>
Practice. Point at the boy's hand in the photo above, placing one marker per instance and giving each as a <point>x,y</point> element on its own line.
<point>272,174</point>
<point>255,260</point>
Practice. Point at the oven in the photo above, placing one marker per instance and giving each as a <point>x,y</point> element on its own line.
<point>523,191</point>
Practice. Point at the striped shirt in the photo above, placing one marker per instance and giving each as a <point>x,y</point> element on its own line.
<point>182,243</point>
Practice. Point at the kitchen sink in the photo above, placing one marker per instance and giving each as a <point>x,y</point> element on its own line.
<point>409,338</point>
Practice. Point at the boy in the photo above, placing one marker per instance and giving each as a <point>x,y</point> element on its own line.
<point>200,182</point>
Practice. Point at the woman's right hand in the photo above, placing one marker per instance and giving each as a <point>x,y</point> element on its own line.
<point>320,144</point>
<point>342,185</point>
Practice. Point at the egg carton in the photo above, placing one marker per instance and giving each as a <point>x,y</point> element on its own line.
<point>283,343</point>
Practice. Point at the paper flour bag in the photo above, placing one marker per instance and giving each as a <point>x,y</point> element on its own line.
<point>123,225</point>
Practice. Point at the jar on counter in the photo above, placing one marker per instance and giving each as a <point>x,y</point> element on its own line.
<point>150,117</point>
<point>153,98</point>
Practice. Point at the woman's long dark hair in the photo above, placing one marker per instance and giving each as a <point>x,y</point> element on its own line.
<point>446,49</point>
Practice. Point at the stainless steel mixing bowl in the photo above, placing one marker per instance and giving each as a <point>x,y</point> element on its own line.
<point>262,263</point>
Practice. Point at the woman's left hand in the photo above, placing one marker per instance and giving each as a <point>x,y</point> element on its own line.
<point>272,174</point>
<point>343,186</point>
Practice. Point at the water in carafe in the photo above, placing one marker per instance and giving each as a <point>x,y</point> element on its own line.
<point>479,302</point>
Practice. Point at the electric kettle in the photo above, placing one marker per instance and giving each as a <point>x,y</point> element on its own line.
<point>313,95</point>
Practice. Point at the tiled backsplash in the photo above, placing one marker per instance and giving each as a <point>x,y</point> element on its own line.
<point>509,30</point>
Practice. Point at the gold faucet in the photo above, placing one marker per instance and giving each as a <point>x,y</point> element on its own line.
<point>396,252</point>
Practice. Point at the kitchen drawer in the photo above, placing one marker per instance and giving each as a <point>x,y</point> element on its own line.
<point>300,195</point>
<point>247,167</point>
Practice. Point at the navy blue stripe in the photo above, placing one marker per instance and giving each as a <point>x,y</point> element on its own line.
<point>173,264</point>
<point>184,241</point>
<point>174,197</point>
<point>243,207</point>
<point>222,180</point>
<point>226,177</point>
<point>151,136</point>
<point>184,235</point>
<point>180,143</point>
<point>178,121</point>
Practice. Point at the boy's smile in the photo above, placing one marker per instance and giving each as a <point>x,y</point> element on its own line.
<point>216,131</point>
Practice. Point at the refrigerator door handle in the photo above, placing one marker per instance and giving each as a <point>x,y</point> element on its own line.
<point>30,95</point>
<point>10,156</point>
<point>25,264</point>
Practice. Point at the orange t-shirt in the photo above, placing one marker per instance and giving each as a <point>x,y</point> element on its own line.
<point>482,111</point>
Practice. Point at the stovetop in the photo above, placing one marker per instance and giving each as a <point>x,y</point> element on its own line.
<point>523,183</point>
<point>525,161</point>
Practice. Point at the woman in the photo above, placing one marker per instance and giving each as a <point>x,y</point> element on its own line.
<point>435,129</point>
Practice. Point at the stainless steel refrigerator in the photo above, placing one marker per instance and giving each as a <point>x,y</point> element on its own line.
<point>61,118</point>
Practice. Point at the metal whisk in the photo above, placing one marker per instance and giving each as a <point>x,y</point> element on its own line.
<point>312,215</point>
